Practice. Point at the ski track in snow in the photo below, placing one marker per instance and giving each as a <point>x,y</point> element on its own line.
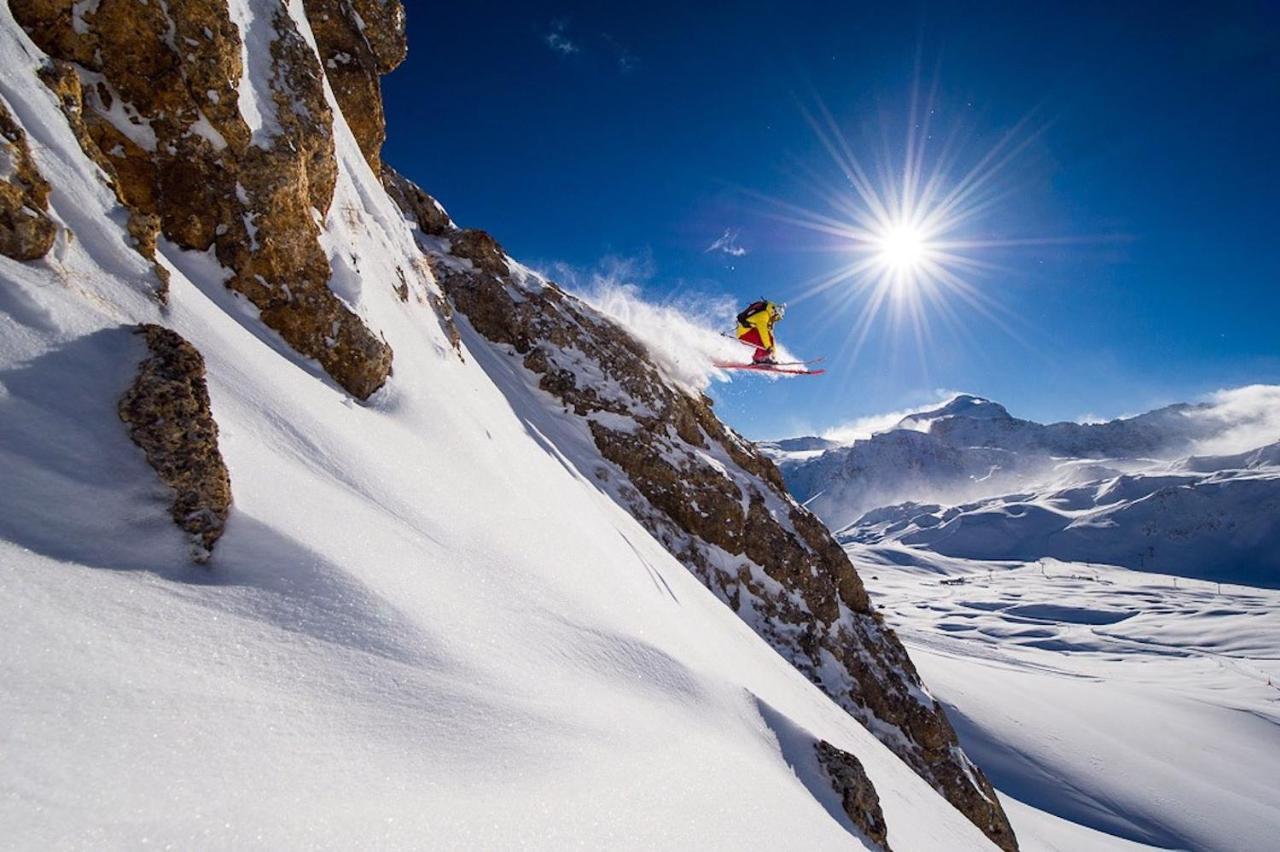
<point>1126,707</point>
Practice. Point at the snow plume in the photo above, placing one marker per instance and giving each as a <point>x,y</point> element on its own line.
<point>864,427</point>
<point>685,335</point>
<point>1248,417</point>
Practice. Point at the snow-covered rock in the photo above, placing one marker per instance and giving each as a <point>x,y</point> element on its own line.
<point>26,233</point>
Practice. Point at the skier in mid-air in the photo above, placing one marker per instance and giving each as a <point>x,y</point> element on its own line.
<point>755,328</point>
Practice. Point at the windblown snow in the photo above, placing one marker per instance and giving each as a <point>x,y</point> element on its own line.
<point>686,335</point>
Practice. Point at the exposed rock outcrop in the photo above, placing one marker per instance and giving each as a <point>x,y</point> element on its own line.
<point>360,40</point>
<point>168,413</point>
<point>26,231</point>
<point>857,794</point>
<point>416,204</point>
<point>153,92</point>
<point>718,505</point>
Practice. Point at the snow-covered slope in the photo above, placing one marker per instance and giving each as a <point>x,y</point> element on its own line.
<point>1215,518</point>
<point>1133,708</point>
<point>653,443</point>
<point>426,623</point>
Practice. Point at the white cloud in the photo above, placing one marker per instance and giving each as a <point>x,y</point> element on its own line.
<point>866,426</point>
<point>1248,417</point>
<point>728,243</point>
<point>558,41</point>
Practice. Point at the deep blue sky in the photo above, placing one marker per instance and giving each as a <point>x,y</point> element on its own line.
<point>574,132</point>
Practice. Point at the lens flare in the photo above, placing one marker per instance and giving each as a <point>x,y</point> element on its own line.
<point>914,233</point>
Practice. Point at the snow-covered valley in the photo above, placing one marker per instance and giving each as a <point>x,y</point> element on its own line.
<point>1141,706</point>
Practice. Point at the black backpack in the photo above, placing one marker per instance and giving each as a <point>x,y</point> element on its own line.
<point>751,310</point>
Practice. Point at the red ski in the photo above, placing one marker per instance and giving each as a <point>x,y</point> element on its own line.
<point>788,368</point>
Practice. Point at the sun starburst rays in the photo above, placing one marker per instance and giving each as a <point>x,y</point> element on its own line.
<point>907,234</point>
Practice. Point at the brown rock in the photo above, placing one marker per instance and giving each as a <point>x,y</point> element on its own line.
<point>416,204</point>
<point>359,41</point>
<point>127,170</point>
<point>857,794</point>
<point>171,73</point>
<point>481,249</point>
<point>49,23</point>
<point>144,228</point>
<point>384,28</point>
<point>26,231</point>
<point>168,413</point>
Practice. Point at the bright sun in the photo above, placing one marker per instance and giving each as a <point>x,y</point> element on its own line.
<point>908,230</point>
<point>902,247</point>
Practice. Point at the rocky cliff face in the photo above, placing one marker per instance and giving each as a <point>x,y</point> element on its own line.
<point>242,166</point>
<point>712,499</point>
<point>359,40</point>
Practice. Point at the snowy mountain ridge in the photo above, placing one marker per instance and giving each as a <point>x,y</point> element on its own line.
<point>969,448</point>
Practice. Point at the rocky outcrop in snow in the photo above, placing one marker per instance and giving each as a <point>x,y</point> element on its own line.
<point>26,233</point>
<point>360,40</point>
<point>711,499</point>
<point>168,414</point>
<point>857,794</point>
<point>421,208</point>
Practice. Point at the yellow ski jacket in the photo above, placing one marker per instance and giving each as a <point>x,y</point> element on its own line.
<point>761,321</point>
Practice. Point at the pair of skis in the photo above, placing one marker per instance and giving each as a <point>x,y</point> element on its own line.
<point>790,368</point>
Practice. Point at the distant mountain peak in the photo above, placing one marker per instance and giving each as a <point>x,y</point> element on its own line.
<point>960,405</point>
